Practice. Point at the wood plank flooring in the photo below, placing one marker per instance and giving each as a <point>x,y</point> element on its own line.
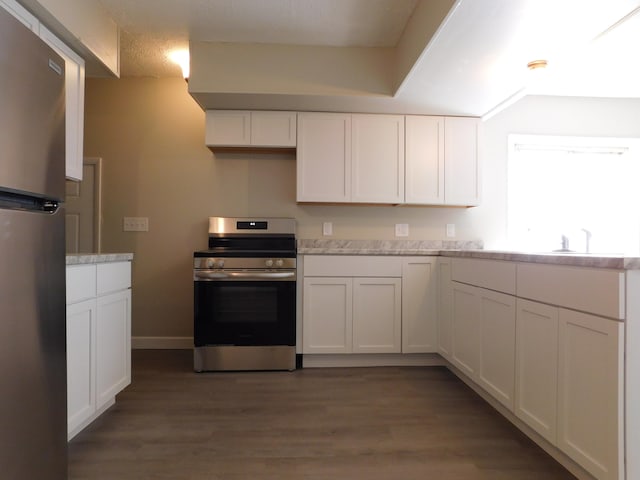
<point>398,423</point>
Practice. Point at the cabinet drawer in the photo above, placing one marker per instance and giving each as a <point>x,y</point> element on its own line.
<point>113,276</point>
<point>490,274</point>
<point>591,290</point>
<point>81,283</point>
<point>352,266</point>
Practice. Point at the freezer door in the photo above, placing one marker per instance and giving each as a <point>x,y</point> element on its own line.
<point>32,135</point>
<point>33,410</point>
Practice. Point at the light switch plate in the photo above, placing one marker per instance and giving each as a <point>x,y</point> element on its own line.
<point>135,224</point>
<point>327,228</point>
<point>402,229</point>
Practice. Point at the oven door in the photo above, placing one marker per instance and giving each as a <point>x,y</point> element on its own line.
<point>241,311</point>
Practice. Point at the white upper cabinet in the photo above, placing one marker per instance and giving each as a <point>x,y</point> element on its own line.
<point>74,103</point>
<point>461,167</point>
<point>324,157</point>
<point>235,128</point>
<point>442,161</point>
<point>74,88</point>
<point>377,159</point>
<point>424,163</point>
<point>393,159</point>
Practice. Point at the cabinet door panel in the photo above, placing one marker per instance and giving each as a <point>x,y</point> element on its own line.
<point>324,157</point>
<point>462,168</point>
<point>419,300</point>
<point>445,309</point>
<point>81,365</point>
<point>424,160</point>
<point>497,349</point>
<point>113,345</point>
<point>228,128</point>
<point>377,315</point>
<point>466,329</point>
<point>590,392</point>
<point>273,129</point>
<point>537,367</point>
<point>377,159</point>
<point>327,313</point>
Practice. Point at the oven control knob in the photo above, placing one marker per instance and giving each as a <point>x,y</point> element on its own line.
<point>269,263</point>
<point>279,263</point>
<point>220,263</point>
<point>210,262</point>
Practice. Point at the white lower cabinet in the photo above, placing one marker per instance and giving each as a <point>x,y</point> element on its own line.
<point>351,315</point>
<point>445,309</point>
<point>590,392</point>
<point>113,345</point>
<point>465,350</point>
<point>377,315</point>
<point>537,367</point>
<point>483,339</point>
<point>496,369</point>
<point>419,305</point>
<point>98,339</point>
<point>81,366</point>
<point>327,315</point>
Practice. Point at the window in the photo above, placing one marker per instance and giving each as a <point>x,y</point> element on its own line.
<point>583,188</point>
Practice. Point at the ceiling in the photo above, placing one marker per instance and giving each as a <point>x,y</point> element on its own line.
<point>474,64</point>
<point>151,27</point>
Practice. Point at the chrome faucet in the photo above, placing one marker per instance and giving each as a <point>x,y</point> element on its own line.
<point>588,239</point>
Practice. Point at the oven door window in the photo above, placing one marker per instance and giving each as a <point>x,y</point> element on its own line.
<point>244,313</point>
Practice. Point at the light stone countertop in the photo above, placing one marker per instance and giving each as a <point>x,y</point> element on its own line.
<point>465,249</point>
<point>87,258</point>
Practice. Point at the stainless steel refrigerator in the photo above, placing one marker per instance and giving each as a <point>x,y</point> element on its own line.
<point>33,410</point>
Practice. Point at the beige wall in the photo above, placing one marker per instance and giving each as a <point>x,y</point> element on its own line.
<point>150,134</point>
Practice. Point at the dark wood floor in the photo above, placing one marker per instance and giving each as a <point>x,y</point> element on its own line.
<point>366,423</point>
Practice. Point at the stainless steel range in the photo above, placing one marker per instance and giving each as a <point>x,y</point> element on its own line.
<point>245,296</point>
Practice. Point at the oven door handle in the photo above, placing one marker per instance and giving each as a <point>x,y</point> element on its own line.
<point>262,275</point>
<point>245,275</point>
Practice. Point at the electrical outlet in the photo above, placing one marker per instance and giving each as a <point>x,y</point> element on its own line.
<point>451,229</point>
<point>402,229</point>
<point>327,228</point>
<point>135,224</point>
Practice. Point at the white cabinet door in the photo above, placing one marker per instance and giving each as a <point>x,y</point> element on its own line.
<point>324,157</point>
<point>81,364</point>
<point>228,128</point>
<point>590,409</point>
<point>377,315</point>
<point>424,160</point>
<point>445,309</point>
<point>419,305</point>
<point>74,103</point>
<point>273,129</point>
<point>113,345</point>
<point>497,318</point>
<point>465,352</point>
<point>462,166</point>
<point>327,315</point>
<point>377,159</point>
<point>537,367</point>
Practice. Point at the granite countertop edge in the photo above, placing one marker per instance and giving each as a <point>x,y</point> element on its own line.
<point>88,258</point>
<point>464,250</point>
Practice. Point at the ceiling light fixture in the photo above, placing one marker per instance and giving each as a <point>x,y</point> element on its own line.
<point>181,57</point>
<point>535,64</point>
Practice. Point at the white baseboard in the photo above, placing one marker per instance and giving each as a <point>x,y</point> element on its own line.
<point>372,360</point>
<point>161,343</point>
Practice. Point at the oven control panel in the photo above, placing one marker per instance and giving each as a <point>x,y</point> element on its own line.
<point>236,263</point>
